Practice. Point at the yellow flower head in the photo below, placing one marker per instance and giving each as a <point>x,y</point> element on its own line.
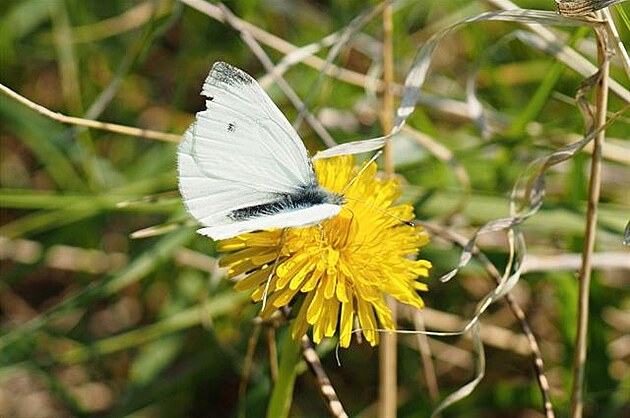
<point>342,267</point>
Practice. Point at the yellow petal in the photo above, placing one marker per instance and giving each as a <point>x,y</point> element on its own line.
<point>331,316</point>
<point>367,321</point>
<point>253,280</point>
<point>285,296</point>
<point>313,280</point>
<point>329,283</point>
<point>347,317</point>
<point>300,325</point>
<point>342,293</point>
<point>315,309</point>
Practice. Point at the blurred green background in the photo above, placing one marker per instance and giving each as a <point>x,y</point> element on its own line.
<point>95,323</point>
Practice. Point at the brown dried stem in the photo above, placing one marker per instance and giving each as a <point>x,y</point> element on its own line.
<point>388,356</point>
<point>425,353</point>
<point>247,368</point>
<point>584,277</point>
<point>326,388</point>
<point>88,123</point>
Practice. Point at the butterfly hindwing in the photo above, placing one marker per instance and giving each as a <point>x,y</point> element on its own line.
<point>300,217</point>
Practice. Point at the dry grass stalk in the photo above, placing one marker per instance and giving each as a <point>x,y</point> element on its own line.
<point>584,277</point>
<point>388,363</point>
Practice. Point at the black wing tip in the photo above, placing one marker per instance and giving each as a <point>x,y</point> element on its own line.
<point>225,73</point>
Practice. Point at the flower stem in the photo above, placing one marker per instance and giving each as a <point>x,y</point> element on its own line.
<point>579,361</point>
<point>282,393</point>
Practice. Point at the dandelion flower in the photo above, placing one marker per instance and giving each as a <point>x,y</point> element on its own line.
<point>342,268</point>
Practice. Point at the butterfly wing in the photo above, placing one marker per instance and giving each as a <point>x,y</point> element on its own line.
<point>240,152</point>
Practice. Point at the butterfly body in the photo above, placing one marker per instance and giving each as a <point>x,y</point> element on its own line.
<point>302,198</point>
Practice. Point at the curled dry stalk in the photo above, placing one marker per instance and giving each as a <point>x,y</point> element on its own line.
<point>584,276</point>
<point>541,378</point>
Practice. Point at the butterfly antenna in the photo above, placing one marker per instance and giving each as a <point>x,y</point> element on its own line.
<point>365,166</point>
<point>384,212</point>
<point>351,182</point>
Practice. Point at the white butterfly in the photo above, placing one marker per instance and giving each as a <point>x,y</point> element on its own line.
<point>242,167</point>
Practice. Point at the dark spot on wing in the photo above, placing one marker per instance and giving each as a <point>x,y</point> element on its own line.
<point>225,73</point>
<point>231,127</point>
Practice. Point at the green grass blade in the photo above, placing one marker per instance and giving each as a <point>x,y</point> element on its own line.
<point>135,271</point>
<point>218,305</point>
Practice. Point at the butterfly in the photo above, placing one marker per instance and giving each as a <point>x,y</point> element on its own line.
<point>242,166</point>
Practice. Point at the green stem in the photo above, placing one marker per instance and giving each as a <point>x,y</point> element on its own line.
<point>282,394</point>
